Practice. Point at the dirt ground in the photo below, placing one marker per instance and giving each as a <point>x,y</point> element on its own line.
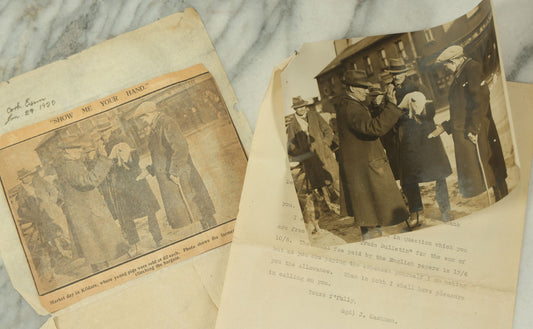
<point>335,230</point>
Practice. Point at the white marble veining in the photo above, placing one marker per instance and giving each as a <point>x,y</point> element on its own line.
<point>251,36</point>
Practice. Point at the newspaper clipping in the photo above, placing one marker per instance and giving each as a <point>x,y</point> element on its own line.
<point>122,186</point>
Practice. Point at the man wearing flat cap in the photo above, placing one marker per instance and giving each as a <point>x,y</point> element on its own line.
<point>309,145</point>
<point>478,151</point>
<point>185,197</point>
<point>368,188</point>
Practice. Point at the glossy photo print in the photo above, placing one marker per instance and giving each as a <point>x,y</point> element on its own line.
<point>396,133</point>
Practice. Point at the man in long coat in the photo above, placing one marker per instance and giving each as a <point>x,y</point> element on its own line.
<point>309,144</point>
<point>95,234</point>
<point>472,127</point>
<point>369,191</point>
<point>41,229</point>
<point>419,159</point>
<point>185,197</point>
<point>310,137</point>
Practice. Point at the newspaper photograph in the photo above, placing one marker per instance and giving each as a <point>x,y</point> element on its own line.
<point>123,186</point>
<point>395,133</point>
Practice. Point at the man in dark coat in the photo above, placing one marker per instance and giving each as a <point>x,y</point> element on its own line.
<point>478,151</point>
<point>368,188</point>
<point>309,138</point>
<point>95,234</point>
<point>39,228</point>
<point>185,197</point>
<point>419,159</point>
<point>128,197</point>
<point>309,145</point>
<point>376,103</point>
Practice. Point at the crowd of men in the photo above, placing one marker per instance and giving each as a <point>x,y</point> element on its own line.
<point>100,181</point>
<point>388,134</point>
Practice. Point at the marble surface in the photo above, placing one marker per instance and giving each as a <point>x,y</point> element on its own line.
<point>251,36</point>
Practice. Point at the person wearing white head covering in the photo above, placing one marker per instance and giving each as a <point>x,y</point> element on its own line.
<point>421,159</point>
<point>416,159</point>
<point>128,196</point>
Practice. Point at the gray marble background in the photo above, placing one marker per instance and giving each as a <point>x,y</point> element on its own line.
<point>251,37</point>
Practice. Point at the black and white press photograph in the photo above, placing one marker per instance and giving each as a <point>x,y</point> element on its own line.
<point>122,183</point>
<point>396,133</point>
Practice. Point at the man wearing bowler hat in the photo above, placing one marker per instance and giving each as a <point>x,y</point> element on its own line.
<point>368,188</point>
<point>478,152</point>
<point>376,103</point>
<point>394,93</point>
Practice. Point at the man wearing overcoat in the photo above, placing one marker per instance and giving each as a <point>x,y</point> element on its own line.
<point>478,151</point>
<point>33,213</point>
<point>309,145</point>
<point>95,234</point>
<point>185,197</point>
<point>368,188</point>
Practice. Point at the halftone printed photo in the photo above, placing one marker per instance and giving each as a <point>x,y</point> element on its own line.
<point>125,185</point>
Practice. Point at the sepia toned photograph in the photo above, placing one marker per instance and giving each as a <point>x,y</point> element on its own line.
<point>158,167</point>
<point>397,133</point>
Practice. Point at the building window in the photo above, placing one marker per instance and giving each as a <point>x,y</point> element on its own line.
<point>384,59</point>
<point>401,49</point>
<point>354,65</point>
<point>369,67</point>
<point>429,36</point>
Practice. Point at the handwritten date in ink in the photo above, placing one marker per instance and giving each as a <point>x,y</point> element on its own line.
<point>27,107</point>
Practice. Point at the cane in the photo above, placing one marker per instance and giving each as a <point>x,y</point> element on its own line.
<point>177,182</point>
<point>482,171</point>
